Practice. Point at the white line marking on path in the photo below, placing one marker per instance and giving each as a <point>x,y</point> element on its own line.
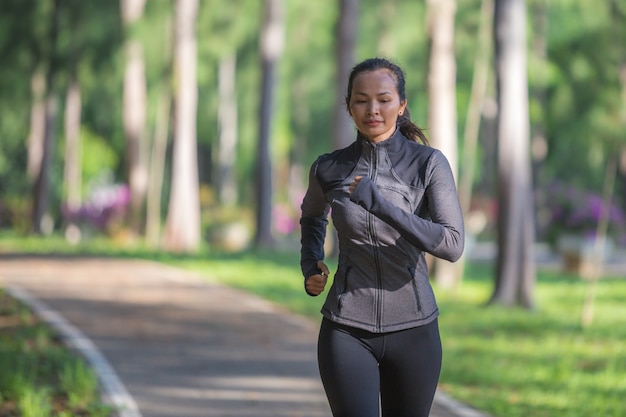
<point>114,390</point>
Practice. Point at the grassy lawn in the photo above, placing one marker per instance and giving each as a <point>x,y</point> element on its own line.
<point>506,362</point>
<point>39,377</point>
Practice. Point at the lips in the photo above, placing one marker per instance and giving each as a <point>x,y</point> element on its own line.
<point>373,123</point>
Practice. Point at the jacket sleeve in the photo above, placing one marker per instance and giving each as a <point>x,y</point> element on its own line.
<point>313,222</point>
<point>443,235</point>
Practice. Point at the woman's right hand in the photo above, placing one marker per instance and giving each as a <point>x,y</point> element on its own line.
<point>315,284</point>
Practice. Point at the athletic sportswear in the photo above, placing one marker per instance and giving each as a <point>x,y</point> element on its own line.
<point>405,205</point>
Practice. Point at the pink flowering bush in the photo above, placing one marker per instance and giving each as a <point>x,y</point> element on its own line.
<point>104,210</point>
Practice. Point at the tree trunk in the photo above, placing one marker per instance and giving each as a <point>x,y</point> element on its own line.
<point>515,271</point>
<point>442,103</point>
<point>473,119</point>
<point>345,32</point>
<point>37,124</point>
<point>73,156</point>
<point>41,218</point>
<point>475,106</point>
<point>595,273</point>
<point>157,169</point>
<point>183,222</point>
<point>158,152</point>
<point>227,114</point>
<point>272,42</point>
<point>135,113</point>
<point>42,223</point>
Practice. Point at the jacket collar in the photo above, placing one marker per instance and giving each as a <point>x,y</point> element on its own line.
<point>393,142</point>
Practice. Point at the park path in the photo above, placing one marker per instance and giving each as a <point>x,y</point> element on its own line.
<point>168,344</point>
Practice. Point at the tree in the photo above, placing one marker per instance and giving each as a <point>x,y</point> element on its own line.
<point>515,269</point>
<point>345,32</point>
<point>227,114</point>
<point>272,42</point>
<point>135,111</point>
<point>160,134</point>
<point>474,111</point>
<point>442,100</point>
<point>73,154</point>
<point>183,222</point>
<point>41,198</point>
<point>37,125</point>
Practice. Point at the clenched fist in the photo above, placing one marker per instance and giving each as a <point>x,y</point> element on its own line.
<point>315,284</point>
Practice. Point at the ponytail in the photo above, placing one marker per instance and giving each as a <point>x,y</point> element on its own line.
<point>409,129</point>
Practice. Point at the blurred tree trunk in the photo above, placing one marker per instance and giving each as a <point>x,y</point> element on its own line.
<point>345,32</point>
<point>37,124</point>
<point>41,221</point>
<point>158,152</point>
<point>539,99</point>
<point>135,112</point>
<point>183,222</point>
<point>473,118</point>
<point>515,270</point>
<point>73,155</point>
<point>227,115</point>
<point>442,103</point>
<point>157,168</point>
<point>343,130</point>
<point>272,44</point>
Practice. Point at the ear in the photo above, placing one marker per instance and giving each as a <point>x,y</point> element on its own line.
<point>403,104</point>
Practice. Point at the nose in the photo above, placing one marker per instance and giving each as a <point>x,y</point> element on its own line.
<point>372,108</point>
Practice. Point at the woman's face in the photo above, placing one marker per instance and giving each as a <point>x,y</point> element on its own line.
<point>375,104</point>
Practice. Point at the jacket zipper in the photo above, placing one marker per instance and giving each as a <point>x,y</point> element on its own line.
<point>378,303</point>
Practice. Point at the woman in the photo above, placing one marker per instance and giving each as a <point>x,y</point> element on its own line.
<point>393,200</point>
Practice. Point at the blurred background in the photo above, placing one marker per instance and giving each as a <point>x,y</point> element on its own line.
<point>182,131</point>
<point>179,124</point>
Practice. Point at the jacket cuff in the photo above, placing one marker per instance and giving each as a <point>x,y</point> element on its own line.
<point>365,194</point>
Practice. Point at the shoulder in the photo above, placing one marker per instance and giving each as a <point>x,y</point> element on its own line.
<point>410,157</point>
<point>332,168</point>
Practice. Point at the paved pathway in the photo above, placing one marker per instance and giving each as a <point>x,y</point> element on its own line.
<point>168,344</point>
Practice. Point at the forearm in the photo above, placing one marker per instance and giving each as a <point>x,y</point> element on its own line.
<point>313,234</point>
<point>441,236</point>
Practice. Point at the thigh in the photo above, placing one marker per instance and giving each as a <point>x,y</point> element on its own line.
<point>349,373</point>
<point>410,371</point>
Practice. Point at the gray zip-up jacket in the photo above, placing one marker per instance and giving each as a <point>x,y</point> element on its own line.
<point>405,205</point>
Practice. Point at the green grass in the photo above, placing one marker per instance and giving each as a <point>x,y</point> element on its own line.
<point>33,370</point>
<point>512,362</point>
<point>507,362</point>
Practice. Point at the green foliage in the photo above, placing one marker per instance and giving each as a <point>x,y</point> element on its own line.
<point>584,118</point>
<point>80,384</point>
<point>37,371</point>
<point>99,157</point>
<point>509,362</point>
<point>35,402</point>
<point>576,90</point>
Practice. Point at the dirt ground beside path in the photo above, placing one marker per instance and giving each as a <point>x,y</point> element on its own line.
<point>180,346</point>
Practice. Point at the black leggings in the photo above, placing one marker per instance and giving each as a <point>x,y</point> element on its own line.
<point>358,367</point>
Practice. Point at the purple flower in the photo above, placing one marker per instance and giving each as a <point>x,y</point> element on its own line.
<point>573,210</point>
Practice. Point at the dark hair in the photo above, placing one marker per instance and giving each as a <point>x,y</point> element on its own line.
<point>407,127</point>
